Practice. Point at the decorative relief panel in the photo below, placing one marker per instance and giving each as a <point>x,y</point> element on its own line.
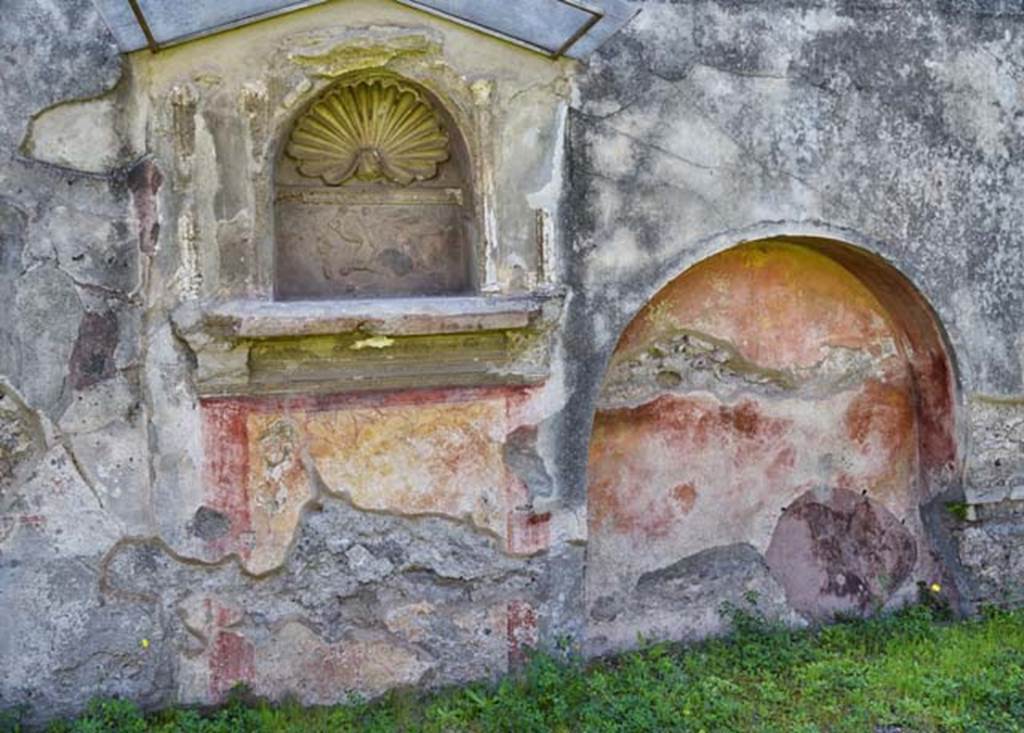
<point>373,197</point>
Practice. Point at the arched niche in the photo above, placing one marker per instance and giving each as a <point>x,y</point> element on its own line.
<point>769,426</point>
<point>373,195</point>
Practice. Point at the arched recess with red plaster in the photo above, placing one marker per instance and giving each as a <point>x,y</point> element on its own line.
<point>769,426</point>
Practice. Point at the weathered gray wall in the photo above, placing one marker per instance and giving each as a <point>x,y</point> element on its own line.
<point>73,466</point>
<point>895,127</point>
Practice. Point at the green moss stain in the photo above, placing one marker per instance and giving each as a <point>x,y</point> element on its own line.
<point>315,358</point>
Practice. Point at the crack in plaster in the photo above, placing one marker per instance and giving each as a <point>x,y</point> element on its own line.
<point>675,84</point>
<point>53,435</point>
<point>681,187</point>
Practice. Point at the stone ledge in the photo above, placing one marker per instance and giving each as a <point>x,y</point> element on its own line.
<point>378,316</point>
<point>991,495</point>
<point>1009,508</point>
<point>290,347</point>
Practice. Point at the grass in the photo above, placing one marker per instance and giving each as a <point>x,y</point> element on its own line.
<point>913,671</point>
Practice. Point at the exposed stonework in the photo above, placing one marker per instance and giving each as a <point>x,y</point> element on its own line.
<point>995,470</point>
<point>688,599</point>
<point>989,544</point>
<point>729,313</point>
<point>363,601</point>
<point>22,440</point>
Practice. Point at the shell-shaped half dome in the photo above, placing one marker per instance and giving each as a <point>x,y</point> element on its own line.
<point>370,130</point>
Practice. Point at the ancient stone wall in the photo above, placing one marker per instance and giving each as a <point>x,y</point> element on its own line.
<point>883,130</point>
<point>730,313</point>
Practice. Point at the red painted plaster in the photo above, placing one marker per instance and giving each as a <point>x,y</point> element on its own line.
<point>226,452</point>
<point>686,471</point>
<point>232,661</point>
<point>522,631</point>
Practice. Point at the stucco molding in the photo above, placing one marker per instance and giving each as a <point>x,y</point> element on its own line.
<point>371,129</point>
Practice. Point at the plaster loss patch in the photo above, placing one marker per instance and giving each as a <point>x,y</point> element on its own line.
<point>436,453</point>
<point>21,439</point>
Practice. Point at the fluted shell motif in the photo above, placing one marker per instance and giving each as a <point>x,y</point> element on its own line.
<point>371,130</point>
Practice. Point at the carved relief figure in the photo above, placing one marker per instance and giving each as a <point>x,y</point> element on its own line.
<point>278,448</point>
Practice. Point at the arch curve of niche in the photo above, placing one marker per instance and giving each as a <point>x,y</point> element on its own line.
<point>374,196</point>
<point>769,427</point>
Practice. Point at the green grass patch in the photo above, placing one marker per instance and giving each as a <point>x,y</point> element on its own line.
<point>912,671</point>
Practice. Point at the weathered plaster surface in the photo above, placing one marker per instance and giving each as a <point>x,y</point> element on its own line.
<point>764,398</point>
<point>989,542</point>
<point>74,456</point>
<point>133,188</point>
<point>704,122</point>
<point>707,124</point>
<point>995,469</point>
<point>186,504</point>
<point>414,453</point>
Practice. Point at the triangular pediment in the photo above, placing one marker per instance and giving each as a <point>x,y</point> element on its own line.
<point>553,27</point>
